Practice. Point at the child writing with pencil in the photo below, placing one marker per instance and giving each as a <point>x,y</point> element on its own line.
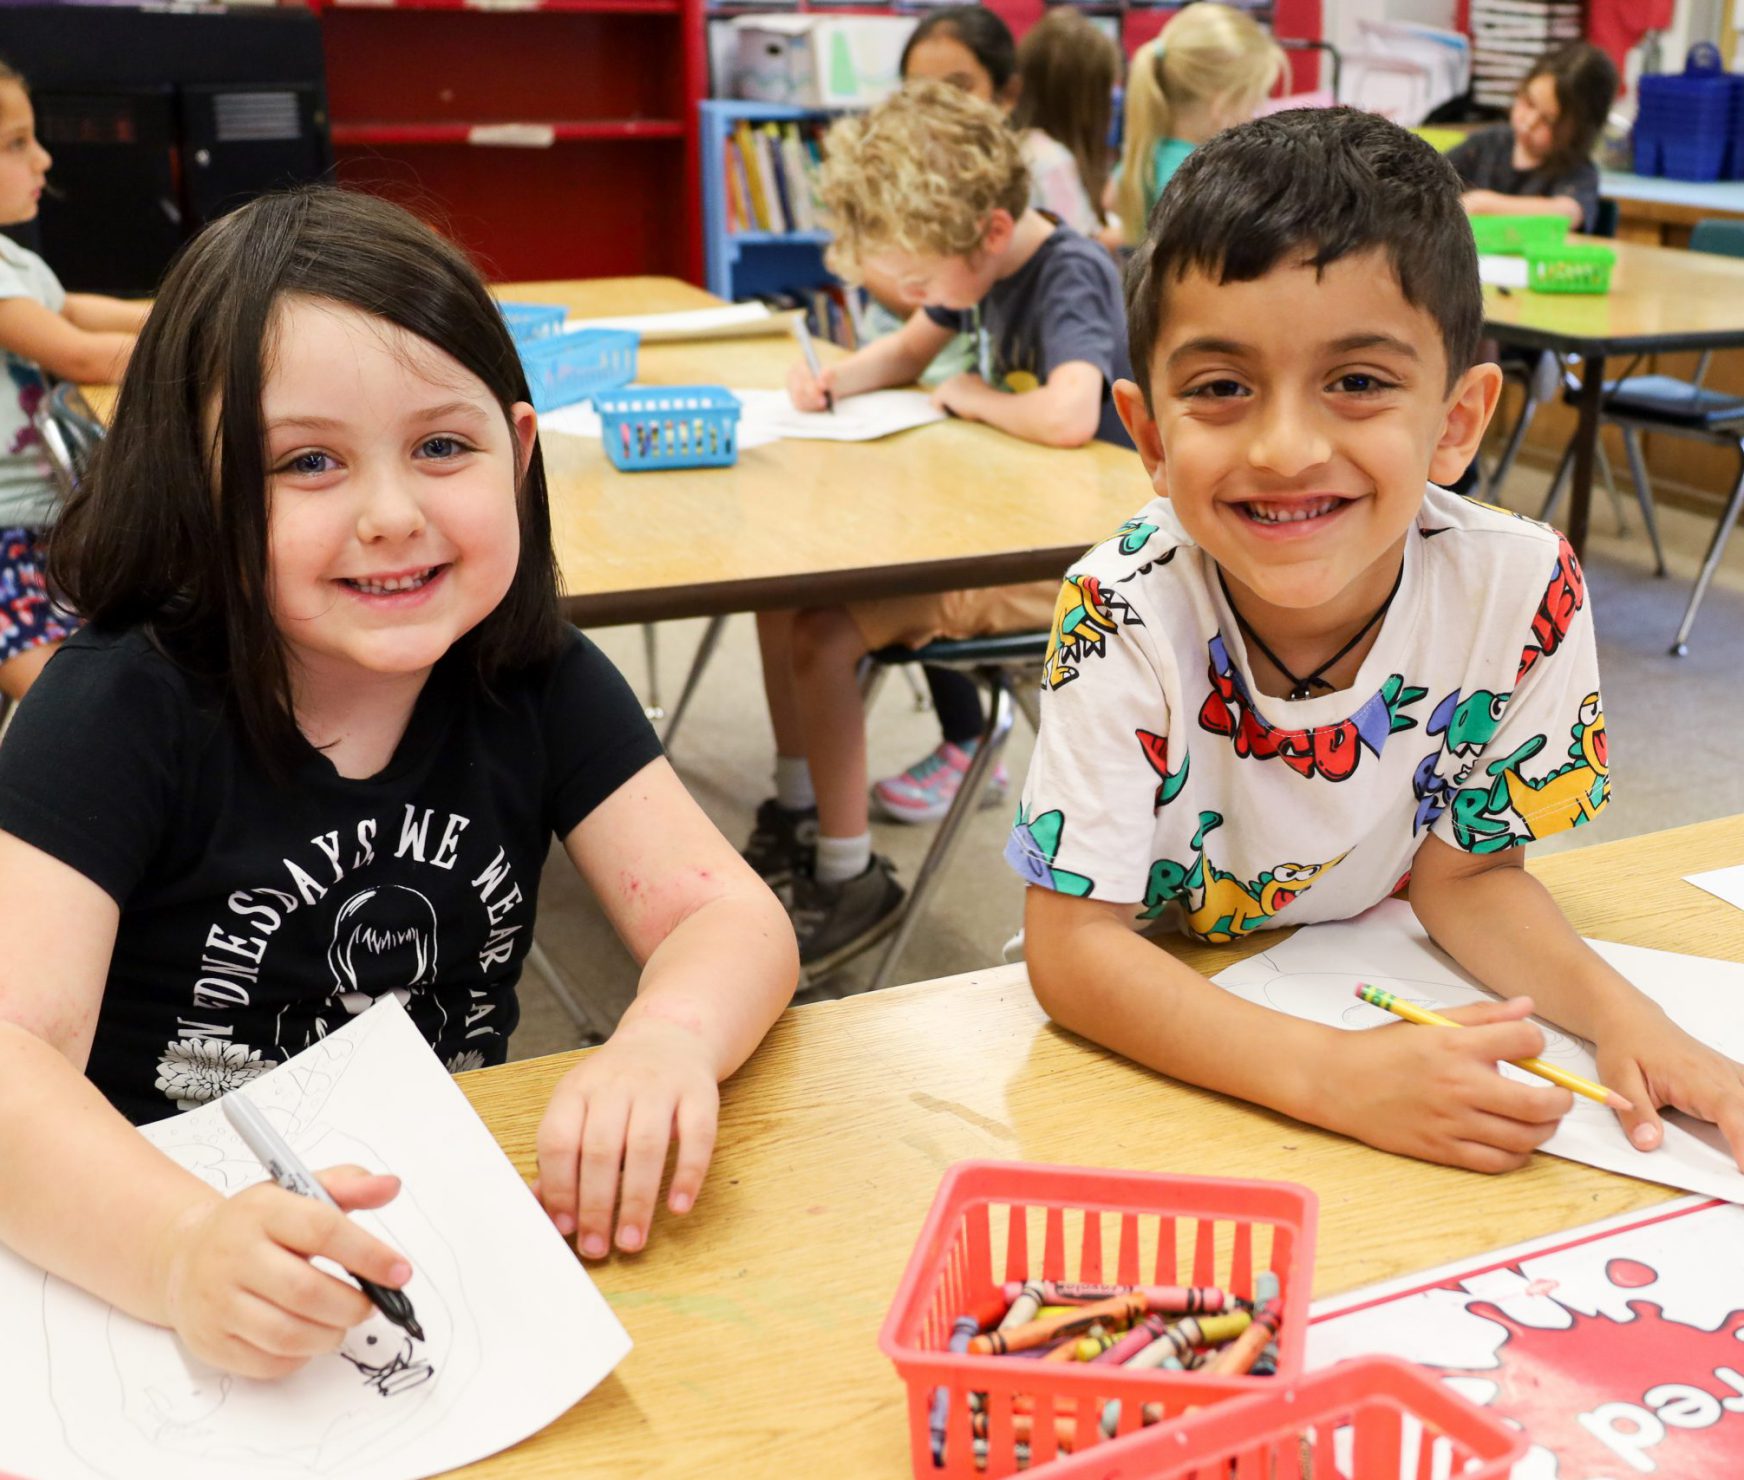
<point>1302,680</point>
<point>44,331</point>
<point>311,750</point>
<point>930,187</point>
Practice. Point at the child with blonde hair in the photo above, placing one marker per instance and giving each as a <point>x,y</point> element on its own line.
<point>1207,71</point>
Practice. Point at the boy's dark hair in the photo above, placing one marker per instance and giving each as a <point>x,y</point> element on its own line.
<point>979,29</point>
<point>1313,185</point>
<point>1586,85</point>
<point>169,529</point>
<point>9,73</point>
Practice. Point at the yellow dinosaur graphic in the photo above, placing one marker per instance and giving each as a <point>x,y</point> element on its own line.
<point>1082,626</point>
<point>1571,795</point>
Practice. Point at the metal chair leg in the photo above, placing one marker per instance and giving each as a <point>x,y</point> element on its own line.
<point>705,650</point>
<point>582,1012</point>
<point>1611,486</point>
<point>1680,643</point>
<point>1554,496</point>
<point>1499,473</point>
<point>923,700</point>
<point>1644,495</point>
<point>993,738</point>
<point>1028,699</point>
<point>651,651</point>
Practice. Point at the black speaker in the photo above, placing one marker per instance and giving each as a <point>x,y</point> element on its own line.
<point>239,141</point>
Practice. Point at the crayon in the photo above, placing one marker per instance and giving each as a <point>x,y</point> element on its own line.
<point>1184,1300</point>
<point>1125,1308</point>
<point>1266,1364</point>
<point>962,1332</point>
<point>983,1448</point>
<point>1240,1355</point>
<point>1110,1425</point>
<point>1412,1013</point>
<point>1175,1345</point>
<point>1025,1300</point>
<point>1141,1335</point>
<point>1023,1429</point>
<point>1090,1347</point>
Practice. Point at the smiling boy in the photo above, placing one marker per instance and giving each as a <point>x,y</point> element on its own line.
<point>1303,679</point>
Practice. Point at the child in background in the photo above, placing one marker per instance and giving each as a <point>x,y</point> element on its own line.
<point>1301,681</point>
<point>43,329</point>
<point>1068,69</point>
<point>969,47</point>
<point>928,187</point>
<point>1540,163</point>
<point>310,751</point>
<point>1210,68</point>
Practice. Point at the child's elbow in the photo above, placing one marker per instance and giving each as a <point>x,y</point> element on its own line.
<point>1070,428</point>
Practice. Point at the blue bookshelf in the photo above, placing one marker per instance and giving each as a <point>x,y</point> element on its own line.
<point>746,264</point>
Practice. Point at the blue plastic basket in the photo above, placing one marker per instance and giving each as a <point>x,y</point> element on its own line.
<point>670,426</point>
<point>565,368</point>
<point>530,321</point>
<point>1690,126</point>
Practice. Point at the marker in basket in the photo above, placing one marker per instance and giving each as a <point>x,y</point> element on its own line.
<point>809,350</point>
<point>290,1173</point>
<point>1412,1013</point>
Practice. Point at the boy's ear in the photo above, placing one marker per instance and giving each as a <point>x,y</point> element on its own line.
<point>1468,413</point>
<point>1141,426</point>
<point>996,237</point>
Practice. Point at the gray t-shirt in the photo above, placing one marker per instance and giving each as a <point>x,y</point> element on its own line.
<point>1062,305</point>
<point>27,487</point>
<point>1485,161</point>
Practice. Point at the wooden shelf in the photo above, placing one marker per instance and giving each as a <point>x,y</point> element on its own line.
<point>763,238</point>
<point>505,135</point>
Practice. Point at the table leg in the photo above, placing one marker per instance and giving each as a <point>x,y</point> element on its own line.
<point>1586,439</point>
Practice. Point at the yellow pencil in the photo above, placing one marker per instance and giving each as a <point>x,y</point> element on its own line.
<point>1412,1013</point>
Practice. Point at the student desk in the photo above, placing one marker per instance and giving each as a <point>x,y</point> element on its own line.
<point>1661,299</point>
<point>937,509</point>
<point>756,1319</point>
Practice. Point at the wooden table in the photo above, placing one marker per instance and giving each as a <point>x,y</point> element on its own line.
<point>936,509</point>
<point>756,1319</point>
<point>1661,299</point>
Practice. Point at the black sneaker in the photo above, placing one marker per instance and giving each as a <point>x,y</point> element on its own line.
<point>836,921</point>
<point>783,843</point>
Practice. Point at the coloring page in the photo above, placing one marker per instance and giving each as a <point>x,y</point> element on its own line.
<point>515,1332</point>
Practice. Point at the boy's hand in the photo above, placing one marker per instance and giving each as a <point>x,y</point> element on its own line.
<point>1651,1062</point>
<point>240,1290</point>
<point>619,1108</point>
<point>808,391</point>
<point>960,395</point>
<point>1436,1093</point>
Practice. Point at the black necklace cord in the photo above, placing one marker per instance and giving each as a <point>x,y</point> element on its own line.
<point>1303,687</point>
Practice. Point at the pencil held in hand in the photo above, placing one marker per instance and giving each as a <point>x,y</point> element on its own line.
<point>1412,1013</point>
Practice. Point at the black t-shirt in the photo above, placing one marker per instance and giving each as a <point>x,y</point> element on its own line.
<point>256,916</point>
<point>1485,161</point>
<point>1062,305</point>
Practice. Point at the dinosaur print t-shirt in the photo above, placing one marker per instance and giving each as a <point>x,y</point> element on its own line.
<point>27,489</point>
<point>1163,778</point>
<point>258,915</point>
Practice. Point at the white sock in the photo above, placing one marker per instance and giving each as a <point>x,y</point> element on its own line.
<point>793,791</point>
<point>841,859</point>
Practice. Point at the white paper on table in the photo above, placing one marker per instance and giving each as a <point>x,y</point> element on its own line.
<point>730,321</point>
<point>1314,973</point>
<point>1723,883</point>
<point>1498,271</point>
<point>516,1331</point>
<point>769,416</point>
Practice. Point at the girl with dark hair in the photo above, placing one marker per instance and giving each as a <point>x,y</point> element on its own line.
<point>967,46</point>
<point>311,751</point>
<point>1540,161</point>
<point>1068,69</point>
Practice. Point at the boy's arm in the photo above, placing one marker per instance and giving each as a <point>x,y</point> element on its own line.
<point>97,314</point>
<point>64,350</point>
<point>896,359</point>
<point>1434,1095</point>
<point>1063,412</point>
<point>1503,927</point>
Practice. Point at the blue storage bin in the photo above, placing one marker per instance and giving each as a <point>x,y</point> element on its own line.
<point>530,321</point>
<point>565,368</point>
<point>1690,126</point>
<point>670,426</point>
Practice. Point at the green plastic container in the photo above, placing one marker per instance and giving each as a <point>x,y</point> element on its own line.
<point>1518,236</point>
<point>1575,268</point>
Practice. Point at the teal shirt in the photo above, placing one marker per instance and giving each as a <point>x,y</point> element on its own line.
<point>1166,158</point>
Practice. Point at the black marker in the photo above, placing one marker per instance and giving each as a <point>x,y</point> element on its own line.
<point>284,1168</point>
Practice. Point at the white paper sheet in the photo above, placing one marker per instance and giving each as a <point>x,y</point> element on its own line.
<point>1314,974</point>
<point>730,321</point>
<point>516,1331</point>
<point>768,416</point>
<point>1497,271</point>
<point>1723,883</point>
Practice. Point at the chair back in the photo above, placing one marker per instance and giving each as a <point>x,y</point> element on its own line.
<point>1605,219</point>
<point>1721,236</point>
<point>70,431</point>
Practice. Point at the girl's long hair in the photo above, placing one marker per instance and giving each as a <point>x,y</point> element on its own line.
<point>1208,51</point>
<point>168,531</point>
<point>1068,68</point>
<point>1585,79</point>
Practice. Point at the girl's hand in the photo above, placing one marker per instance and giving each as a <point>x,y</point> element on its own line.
<point>620,1108</point>
<point>807,390</point>
<point>1651,1062</point>
<point>1480,202</point>
<point>239,1287</point>
<point>1436,1093</point>
<point>959,395</point>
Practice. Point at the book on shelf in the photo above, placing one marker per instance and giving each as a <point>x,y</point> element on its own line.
<point>772,169</point>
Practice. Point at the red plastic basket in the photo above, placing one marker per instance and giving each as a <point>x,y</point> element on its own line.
<point>989,1222</point>
<point>1374,1418</point>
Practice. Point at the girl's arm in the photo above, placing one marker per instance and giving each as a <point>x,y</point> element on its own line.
<point>896,359</point>
<point>97,314</point>
<point>1494,203</point>
<point>60,346</point>
<point>86,1197</point>
<point>719,964</point>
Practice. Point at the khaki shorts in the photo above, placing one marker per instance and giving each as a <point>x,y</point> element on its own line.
<point>914,621</point>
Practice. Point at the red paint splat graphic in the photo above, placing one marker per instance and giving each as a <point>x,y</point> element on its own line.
<point>1615,1399</point>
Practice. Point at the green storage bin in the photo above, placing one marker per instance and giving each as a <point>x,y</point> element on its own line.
<point>1518,235</point>
<point>1576,268</point>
